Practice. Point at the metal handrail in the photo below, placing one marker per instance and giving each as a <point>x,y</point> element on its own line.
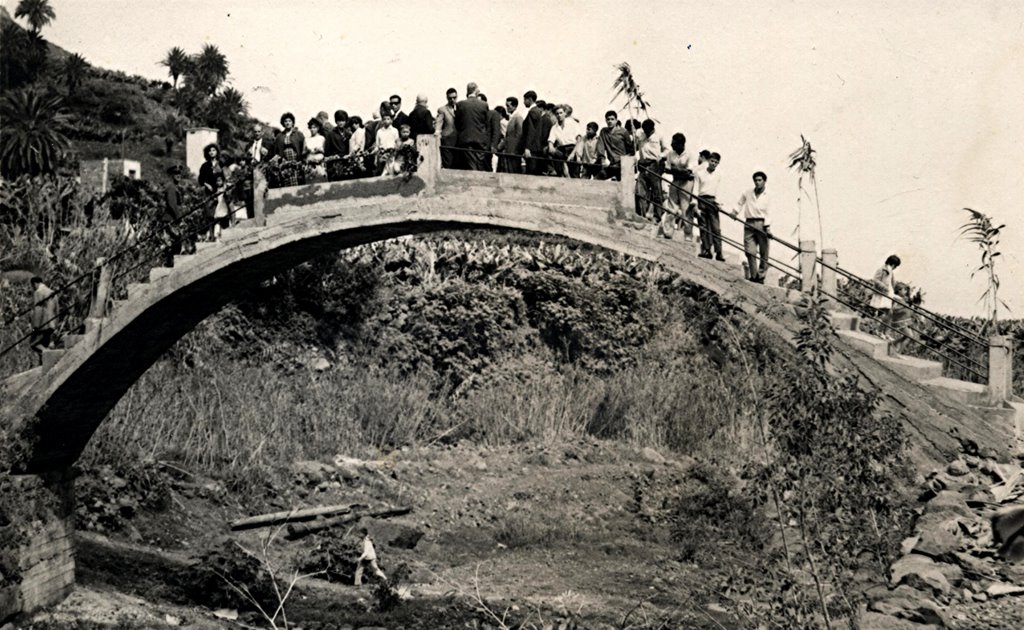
<point>156,233</point>
<point>934,317</point>
<point>792,272</point>
<point>863,310</point>
<point>700,201</point>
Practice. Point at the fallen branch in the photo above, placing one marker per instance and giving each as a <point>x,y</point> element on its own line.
<point>299,530</point>
<point>279,518</point>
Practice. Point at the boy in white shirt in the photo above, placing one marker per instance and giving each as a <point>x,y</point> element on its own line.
<point>385,144</point>
<point>679,163</point>
<point>368,559</point>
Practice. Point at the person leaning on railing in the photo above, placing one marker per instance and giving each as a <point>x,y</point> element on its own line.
<point>708,179</point>
<point>42,317</point>
<point>652,150</point>
<point>884,282</point>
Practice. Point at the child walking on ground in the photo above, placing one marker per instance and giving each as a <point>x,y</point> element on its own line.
<point>367,559</point>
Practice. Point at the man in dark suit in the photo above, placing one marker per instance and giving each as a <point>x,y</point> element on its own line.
<point>421,121</point>
<point>534,141</point>
<point>494,127</point>
<point>474,132</point>
<point>399,117</point>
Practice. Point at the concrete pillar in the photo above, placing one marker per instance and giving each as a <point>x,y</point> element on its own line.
<point>195,139</point>
<point>259,195</point>
<point>98,308</point>
<point>1000,368</point>
<point>829,262</point>
<point>430,160</point>
<point>627,187</point>
<point>808,254</point>
<point>39,512</point>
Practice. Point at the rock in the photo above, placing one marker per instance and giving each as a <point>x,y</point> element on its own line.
<point>650,455</point>
<point>958,468</point>
<point>974,567</point>
<point>980,597</point>
<point>921,572</point>
<point>406,539</point>
<point>939,539</point>
<point>320,364</point>
<point>877,621</point>
<point>1008,531</point>
<point>972,460</point>
<point>908,544</point>
<point>947,503</point>
<point>906,603</point>
<point>1001,589</point>
<point>314,472</point>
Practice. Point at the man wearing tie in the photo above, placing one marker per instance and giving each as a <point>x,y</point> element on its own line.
<point>444,127</point>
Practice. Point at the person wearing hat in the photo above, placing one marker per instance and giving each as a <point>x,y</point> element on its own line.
<point>172,214</point>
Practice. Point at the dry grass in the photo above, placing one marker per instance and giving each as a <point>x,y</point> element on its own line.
<point>233,420</point>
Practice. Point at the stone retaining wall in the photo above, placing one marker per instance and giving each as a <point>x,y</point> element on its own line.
<point>39,562</point>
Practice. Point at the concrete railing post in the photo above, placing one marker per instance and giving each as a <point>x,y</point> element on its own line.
<point>259,195</point>
<point>829,262</point>
<point>627,186</point>
<point>98,308</point>
<point>1000,368</point>
<point>808,254</point>
<point>430,160</point>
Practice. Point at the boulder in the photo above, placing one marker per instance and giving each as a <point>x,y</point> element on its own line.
<point>939,539</point>
<point>920,572</point>
<point>906,603</point>
<point>650,455</point>
<point>1008,531</point>
<point>1001,589</point>
<point>877,621</point>
<point>958,468</point>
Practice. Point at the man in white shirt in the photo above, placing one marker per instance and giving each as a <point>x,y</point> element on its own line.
<point>708,178</point>
<point>368,558</point>
<point>651,150</point>
<point>561,142</point>
<point>755,205</point>
<point>679,164</point>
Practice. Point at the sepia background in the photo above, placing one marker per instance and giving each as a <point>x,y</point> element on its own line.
<point>915,110</point>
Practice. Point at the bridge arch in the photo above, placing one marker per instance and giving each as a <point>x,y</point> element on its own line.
<point>70,400</point>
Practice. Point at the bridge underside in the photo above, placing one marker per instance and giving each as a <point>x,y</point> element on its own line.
<point>64,406</point>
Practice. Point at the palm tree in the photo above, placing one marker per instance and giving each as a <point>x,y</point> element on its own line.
<point>23,57</point>
<point>210,68</point>
<point>227,111</point>
<point>74,71</point>
<point>625,84</point>
<point>177,63</point>
<point>804,162</point>
<point>172,128</point>
<point>29,141</point>
<point>39,13</point>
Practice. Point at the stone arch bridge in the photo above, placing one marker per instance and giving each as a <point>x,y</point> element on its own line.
<point>65,399</point>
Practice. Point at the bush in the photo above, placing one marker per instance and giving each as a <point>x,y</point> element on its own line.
<point>214,578</point>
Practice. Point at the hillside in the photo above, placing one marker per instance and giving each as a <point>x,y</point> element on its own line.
<point>111,114</point>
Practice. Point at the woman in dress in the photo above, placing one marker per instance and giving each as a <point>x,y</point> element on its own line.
<point>315,148</point>
<point>210,170</point>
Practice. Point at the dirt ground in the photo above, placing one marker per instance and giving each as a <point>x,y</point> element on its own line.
<point>567,535</point>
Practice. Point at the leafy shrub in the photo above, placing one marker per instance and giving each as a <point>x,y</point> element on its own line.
<point>214,579</point>
<point>714,511</point>
<point>108,499</point>
<point>331,555</point>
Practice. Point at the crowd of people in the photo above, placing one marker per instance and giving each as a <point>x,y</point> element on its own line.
<point>675,186</point>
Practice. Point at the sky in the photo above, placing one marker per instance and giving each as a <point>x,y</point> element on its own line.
<point>914,108</point>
